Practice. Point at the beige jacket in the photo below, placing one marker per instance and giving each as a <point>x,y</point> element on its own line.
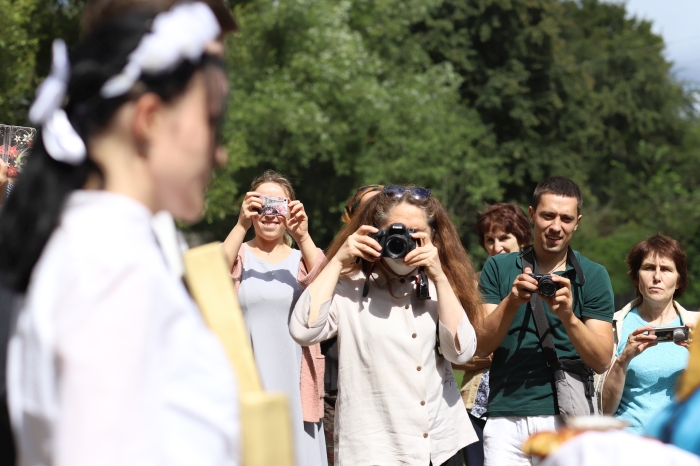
<point>398,402</point>
<point>618,319</point>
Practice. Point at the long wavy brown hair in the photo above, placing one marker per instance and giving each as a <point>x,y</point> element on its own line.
<point>454,259</point>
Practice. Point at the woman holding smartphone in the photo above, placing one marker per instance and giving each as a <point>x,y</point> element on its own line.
<point>269,276</point>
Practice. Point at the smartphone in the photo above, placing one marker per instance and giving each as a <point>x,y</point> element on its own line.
<point>274,206</point>
<point>671,333</point>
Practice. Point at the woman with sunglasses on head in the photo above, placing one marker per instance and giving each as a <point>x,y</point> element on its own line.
<point>111,362</point>
<point>269,275</point>
<point>400,322</point>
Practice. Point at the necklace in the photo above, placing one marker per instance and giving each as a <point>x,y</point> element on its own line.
<point>255,243</point>
<point>556,267</point>
<point>391,292</point>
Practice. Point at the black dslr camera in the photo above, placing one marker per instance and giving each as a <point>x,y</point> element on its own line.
<point>545,285</point>
<point>395,241</point>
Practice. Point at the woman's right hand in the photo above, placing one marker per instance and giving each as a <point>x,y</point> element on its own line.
<point>359,245</point>
<point>250,209</point>
<point>637,342</point>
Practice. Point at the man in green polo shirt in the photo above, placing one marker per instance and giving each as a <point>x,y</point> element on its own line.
<point>522,399</point>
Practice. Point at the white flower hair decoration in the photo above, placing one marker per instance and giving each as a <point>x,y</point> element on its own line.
<point>61,140</point>
<point>181,33</point>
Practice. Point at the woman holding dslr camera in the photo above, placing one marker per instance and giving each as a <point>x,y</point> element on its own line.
<point>400,322</point>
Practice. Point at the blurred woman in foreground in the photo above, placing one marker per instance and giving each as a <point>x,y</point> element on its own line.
<point>111,362</point>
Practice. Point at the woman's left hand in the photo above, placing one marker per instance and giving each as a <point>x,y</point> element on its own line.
<point>298,222</point>
<point>686,343</point>
<point>425,255</point>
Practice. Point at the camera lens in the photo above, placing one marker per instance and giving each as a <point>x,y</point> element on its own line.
<point>547,287</point>
<point>678,335</point>
<point>396,247</point>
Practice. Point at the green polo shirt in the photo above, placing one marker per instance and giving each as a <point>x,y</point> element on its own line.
<point>520,382</point>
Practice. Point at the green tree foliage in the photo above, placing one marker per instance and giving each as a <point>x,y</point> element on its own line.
<point>340,94</point>
<point>579,90</point>
<point>477,99</point>
<point>28,28</point>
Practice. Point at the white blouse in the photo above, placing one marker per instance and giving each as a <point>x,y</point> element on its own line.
<point>398,401</point>
<point>111,362</point>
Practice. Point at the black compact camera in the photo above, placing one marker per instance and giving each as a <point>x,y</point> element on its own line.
<point>545,285</point>
<point>395,241</point>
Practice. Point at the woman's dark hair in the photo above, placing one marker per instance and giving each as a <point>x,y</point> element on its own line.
<point>453,258</point>
<point>32,211</point>
<point>507,217</point>
<point>662,247</point>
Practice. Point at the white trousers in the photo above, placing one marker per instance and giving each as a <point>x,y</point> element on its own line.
<point>504,438</point>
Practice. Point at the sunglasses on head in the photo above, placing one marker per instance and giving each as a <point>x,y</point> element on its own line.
<point>416,192</point>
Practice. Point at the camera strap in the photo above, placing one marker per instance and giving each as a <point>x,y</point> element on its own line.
<point>544,331</point>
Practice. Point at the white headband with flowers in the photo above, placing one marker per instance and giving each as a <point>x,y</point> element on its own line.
<point>181,33</point>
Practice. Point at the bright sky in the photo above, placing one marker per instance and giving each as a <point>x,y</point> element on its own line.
<point>678,22</point>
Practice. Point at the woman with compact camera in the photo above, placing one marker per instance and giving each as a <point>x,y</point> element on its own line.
<point>402,315</point>
<point>269,275</point>
<point>645,366</point>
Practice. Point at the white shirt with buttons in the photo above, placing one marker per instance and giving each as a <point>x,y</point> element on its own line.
<point>398,401</point>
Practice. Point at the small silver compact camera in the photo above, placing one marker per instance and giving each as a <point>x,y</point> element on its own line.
<point>671,333</point>
<point>277,206</point>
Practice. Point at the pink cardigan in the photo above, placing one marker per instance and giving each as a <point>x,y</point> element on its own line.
<point>313,362</point>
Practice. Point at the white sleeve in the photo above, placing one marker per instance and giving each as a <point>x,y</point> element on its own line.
<point>467,342</point>
<point>107,350</point>
<point>325,327</point>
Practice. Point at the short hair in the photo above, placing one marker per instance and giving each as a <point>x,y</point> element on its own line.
<point>658,246</point>
<point>559,186</point>
<point>507,217</point>
<point>97,12</point>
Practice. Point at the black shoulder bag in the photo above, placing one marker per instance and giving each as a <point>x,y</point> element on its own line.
<point>573,380</point>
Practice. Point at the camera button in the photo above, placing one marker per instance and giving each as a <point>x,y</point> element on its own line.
<point>414,336</point>
<point>418,368</point>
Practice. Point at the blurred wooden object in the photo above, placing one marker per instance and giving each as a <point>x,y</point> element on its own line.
<point>689,381</point>
<point>265,419</point>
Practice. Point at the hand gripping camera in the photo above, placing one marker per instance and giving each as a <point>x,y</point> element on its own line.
<point>545,285</point>
<point>395,241</point>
